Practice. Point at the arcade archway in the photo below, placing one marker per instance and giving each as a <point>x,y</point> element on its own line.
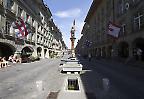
<point>27,51</point>
<point>138,43</point>
<point>6,50</point>
<point>123,49</point>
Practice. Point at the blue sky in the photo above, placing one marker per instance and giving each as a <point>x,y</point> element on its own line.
<point>65,11</point>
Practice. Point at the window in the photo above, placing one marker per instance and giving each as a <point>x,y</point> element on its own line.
<point>27,17</point>
<point>7,27</point>
<point>19,11</point>
<point>135,2</point>
<point>38,38</point>
<point>32,21</point>
<point>10,3</point>
<point>123,30</point>
<point>138,21</point>
<point>120,6</point>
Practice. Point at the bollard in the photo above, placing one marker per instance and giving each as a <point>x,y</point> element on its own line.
<point>105,84</point>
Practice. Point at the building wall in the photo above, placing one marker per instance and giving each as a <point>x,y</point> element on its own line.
<point>38,18</point>
<point>129,15</point>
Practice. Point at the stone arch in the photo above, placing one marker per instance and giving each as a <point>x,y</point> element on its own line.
<point>123,49</point>
<point>27,51</point>
<point>139,43</point>
<point>6,49</point>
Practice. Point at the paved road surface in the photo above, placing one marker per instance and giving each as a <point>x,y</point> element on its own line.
<point>30,80</point>
<point>112,80</point>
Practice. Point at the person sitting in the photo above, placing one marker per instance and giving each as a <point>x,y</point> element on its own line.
<point>4,63</point>
<point>17,60</point>
<point>10,58</point>
<point>3,59</point>
<point>14,59</point>
<point>0,59</point>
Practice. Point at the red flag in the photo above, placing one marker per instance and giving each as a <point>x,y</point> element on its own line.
<point>23,24</point>
<point>20,29</point>
<point>113,30</point>
<point>20,24</point>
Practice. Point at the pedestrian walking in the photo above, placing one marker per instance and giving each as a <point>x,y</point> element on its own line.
<point>139,53</point>
<point>89,57</point>
<point>135,54</point>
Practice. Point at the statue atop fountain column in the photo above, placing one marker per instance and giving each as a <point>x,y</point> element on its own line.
<point>73,39</point>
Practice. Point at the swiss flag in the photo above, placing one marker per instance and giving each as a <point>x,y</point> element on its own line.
<point>20,28</point>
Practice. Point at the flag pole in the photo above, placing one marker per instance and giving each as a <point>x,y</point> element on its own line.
<point>114,39</point>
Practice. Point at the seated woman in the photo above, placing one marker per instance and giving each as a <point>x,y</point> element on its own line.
<point>4,59</point>
<point>4,63</point>
<point>17,60</point>
<point>10,58</point>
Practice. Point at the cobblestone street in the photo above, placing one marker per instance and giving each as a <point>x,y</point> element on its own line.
<point>30,80</point>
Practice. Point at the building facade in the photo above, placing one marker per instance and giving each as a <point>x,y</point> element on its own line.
<point>41,34</point>
<point>127,14</point>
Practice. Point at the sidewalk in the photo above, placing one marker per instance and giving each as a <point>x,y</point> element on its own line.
<point>127,62</point>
